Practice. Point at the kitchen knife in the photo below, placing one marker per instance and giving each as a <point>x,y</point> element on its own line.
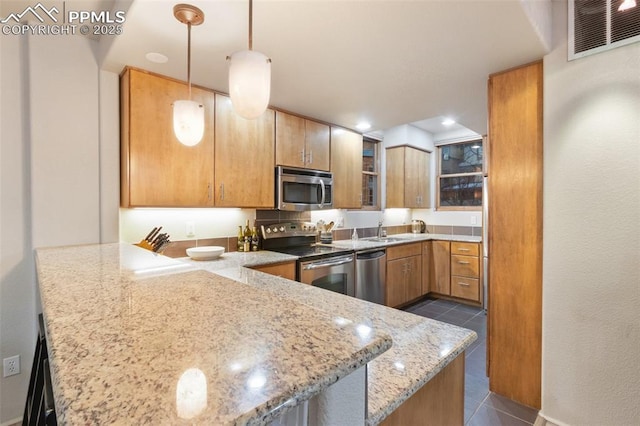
<point>148,237</point>
<point>154,234</point>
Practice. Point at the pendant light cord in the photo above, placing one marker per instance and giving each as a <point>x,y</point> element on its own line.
<point>189,57</point>
<point>250,24</point>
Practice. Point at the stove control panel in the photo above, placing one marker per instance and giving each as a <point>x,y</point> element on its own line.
<point>289,229</point>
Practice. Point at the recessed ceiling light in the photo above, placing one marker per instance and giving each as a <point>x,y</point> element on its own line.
<point>626,5</point>
<point>448,122</point>
<point>363,126</point>
<point>158,58</point>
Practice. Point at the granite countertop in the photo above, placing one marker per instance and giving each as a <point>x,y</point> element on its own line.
<point>398,239</point>
<point>421,347</point>
<point>135,337</point>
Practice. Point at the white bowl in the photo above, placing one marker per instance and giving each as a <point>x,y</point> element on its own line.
<point>205,252</point>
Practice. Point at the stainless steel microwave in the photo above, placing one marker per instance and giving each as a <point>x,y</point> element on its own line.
<point>303,189</point>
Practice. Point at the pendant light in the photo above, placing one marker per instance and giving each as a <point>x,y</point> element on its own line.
<point>188,115</point>
<point>249,78</point>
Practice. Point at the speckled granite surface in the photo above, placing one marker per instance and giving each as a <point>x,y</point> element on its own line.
<point>421,346</point>
<point>364,244</point>
<point>139,338</point>
<point>250,259</point>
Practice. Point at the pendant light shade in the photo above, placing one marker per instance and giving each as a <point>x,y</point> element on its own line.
<point>249,83</point>
<point>249,78</point>
<point>188,122</point>
<point>188,115</point>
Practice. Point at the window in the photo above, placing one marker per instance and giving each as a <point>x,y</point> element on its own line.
<point>370,175</point>
<point>460,176</point>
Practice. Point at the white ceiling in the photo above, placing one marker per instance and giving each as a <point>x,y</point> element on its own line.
<point>387,62</point>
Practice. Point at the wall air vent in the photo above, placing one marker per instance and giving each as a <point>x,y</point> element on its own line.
<point>599,25</point>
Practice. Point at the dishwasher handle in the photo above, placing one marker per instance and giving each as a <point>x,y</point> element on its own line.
<point>370,255</point>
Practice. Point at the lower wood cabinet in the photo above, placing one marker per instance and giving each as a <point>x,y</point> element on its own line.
<point>465,270</point>
<point>404,274</point>
<point>452,268</point>
<point>441,270</point>
<point>285,270</point>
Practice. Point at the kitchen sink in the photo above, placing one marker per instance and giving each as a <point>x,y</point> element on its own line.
<point>382,239</point>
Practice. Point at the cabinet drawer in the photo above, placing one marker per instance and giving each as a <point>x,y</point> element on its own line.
<point>465,288</point>
<point>405,250</point>
<point>466,266</point>
<point>466,249</point>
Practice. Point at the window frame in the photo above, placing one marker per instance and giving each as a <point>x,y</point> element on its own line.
<point>439,174</point>
<point>376,173</point>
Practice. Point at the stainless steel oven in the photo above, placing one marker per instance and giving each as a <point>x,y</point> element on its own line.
<point>333,273</point>
<point>303,189</point>
<point>321,266</point>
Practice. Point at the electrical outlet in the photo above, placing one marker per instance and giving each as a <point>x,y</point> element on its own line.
<point>474,220</point>
<point>11,366</point>
<point>191,228</point>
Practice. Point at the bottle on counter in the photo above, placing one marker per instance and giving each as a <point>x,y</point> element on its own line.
<point>247,238</point>
<point>354,236</point>
<point>255,240</point>
<point>240,239</point>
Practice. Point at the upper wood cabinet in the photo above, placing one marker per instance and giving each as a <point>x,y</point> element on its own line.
<point>408,183</point>
<point>301,142</point>
<point>244,158</point>
<point>346,166</point>
<point>156,169</point>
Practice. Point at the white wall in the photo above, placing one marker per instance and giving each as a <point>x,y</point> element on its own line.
<point>591,278</point>
<point>17,275</point>
<point>50,178</point>
<point>135,224</point>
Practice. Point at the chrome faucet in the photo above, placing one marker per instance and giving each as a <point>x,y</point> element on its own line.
<point>380,230</point>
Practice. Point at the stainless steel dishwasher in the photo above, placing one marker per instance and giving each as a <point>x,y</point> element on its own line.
<point>371,267</point>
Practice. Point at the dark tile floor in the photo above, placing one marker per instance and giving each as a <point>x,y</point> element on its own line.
<point>481,407</point>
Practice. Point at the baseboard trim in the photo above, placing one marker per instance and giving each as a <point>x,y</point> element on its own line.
<point>17,420</point>
<point>543,420</point>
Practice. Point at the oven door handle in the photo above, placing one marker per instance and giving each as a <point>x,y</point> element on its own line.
<point>316,265</point>
<point>321,205</point>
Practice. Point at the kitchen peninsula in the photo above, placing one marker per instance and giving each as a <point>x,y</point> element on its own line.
<point>138,337</point>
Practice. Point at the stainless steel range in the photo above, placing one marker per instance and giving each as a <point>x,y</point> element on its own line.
<point>321,266</point>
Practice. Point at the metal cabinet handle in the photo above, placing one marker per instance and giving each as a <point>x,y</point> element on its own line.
<point>464,284</point>
<point>311,157</point>
<point>209,192</point>
<point>222,191</point>
<point>463,249</point>
<point>463,262</point>
<point>325,264</point>
<point>303,158</point>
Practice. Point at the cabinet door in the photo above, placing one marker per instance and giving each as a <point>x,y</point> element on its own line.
<point>424,179</point>
<point>285,270</point>
<point>317,142</point>
<point>417,166</point>
<point>244,158</point>
<point>290,135</point>
<point>396,283</point>
<point>346,166</point>
<point>412,179</point>
<point>427,265</point>
<point>395,177</point>
<point>414,277</point>
<point>441,271</point>
<point>156,169</point>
